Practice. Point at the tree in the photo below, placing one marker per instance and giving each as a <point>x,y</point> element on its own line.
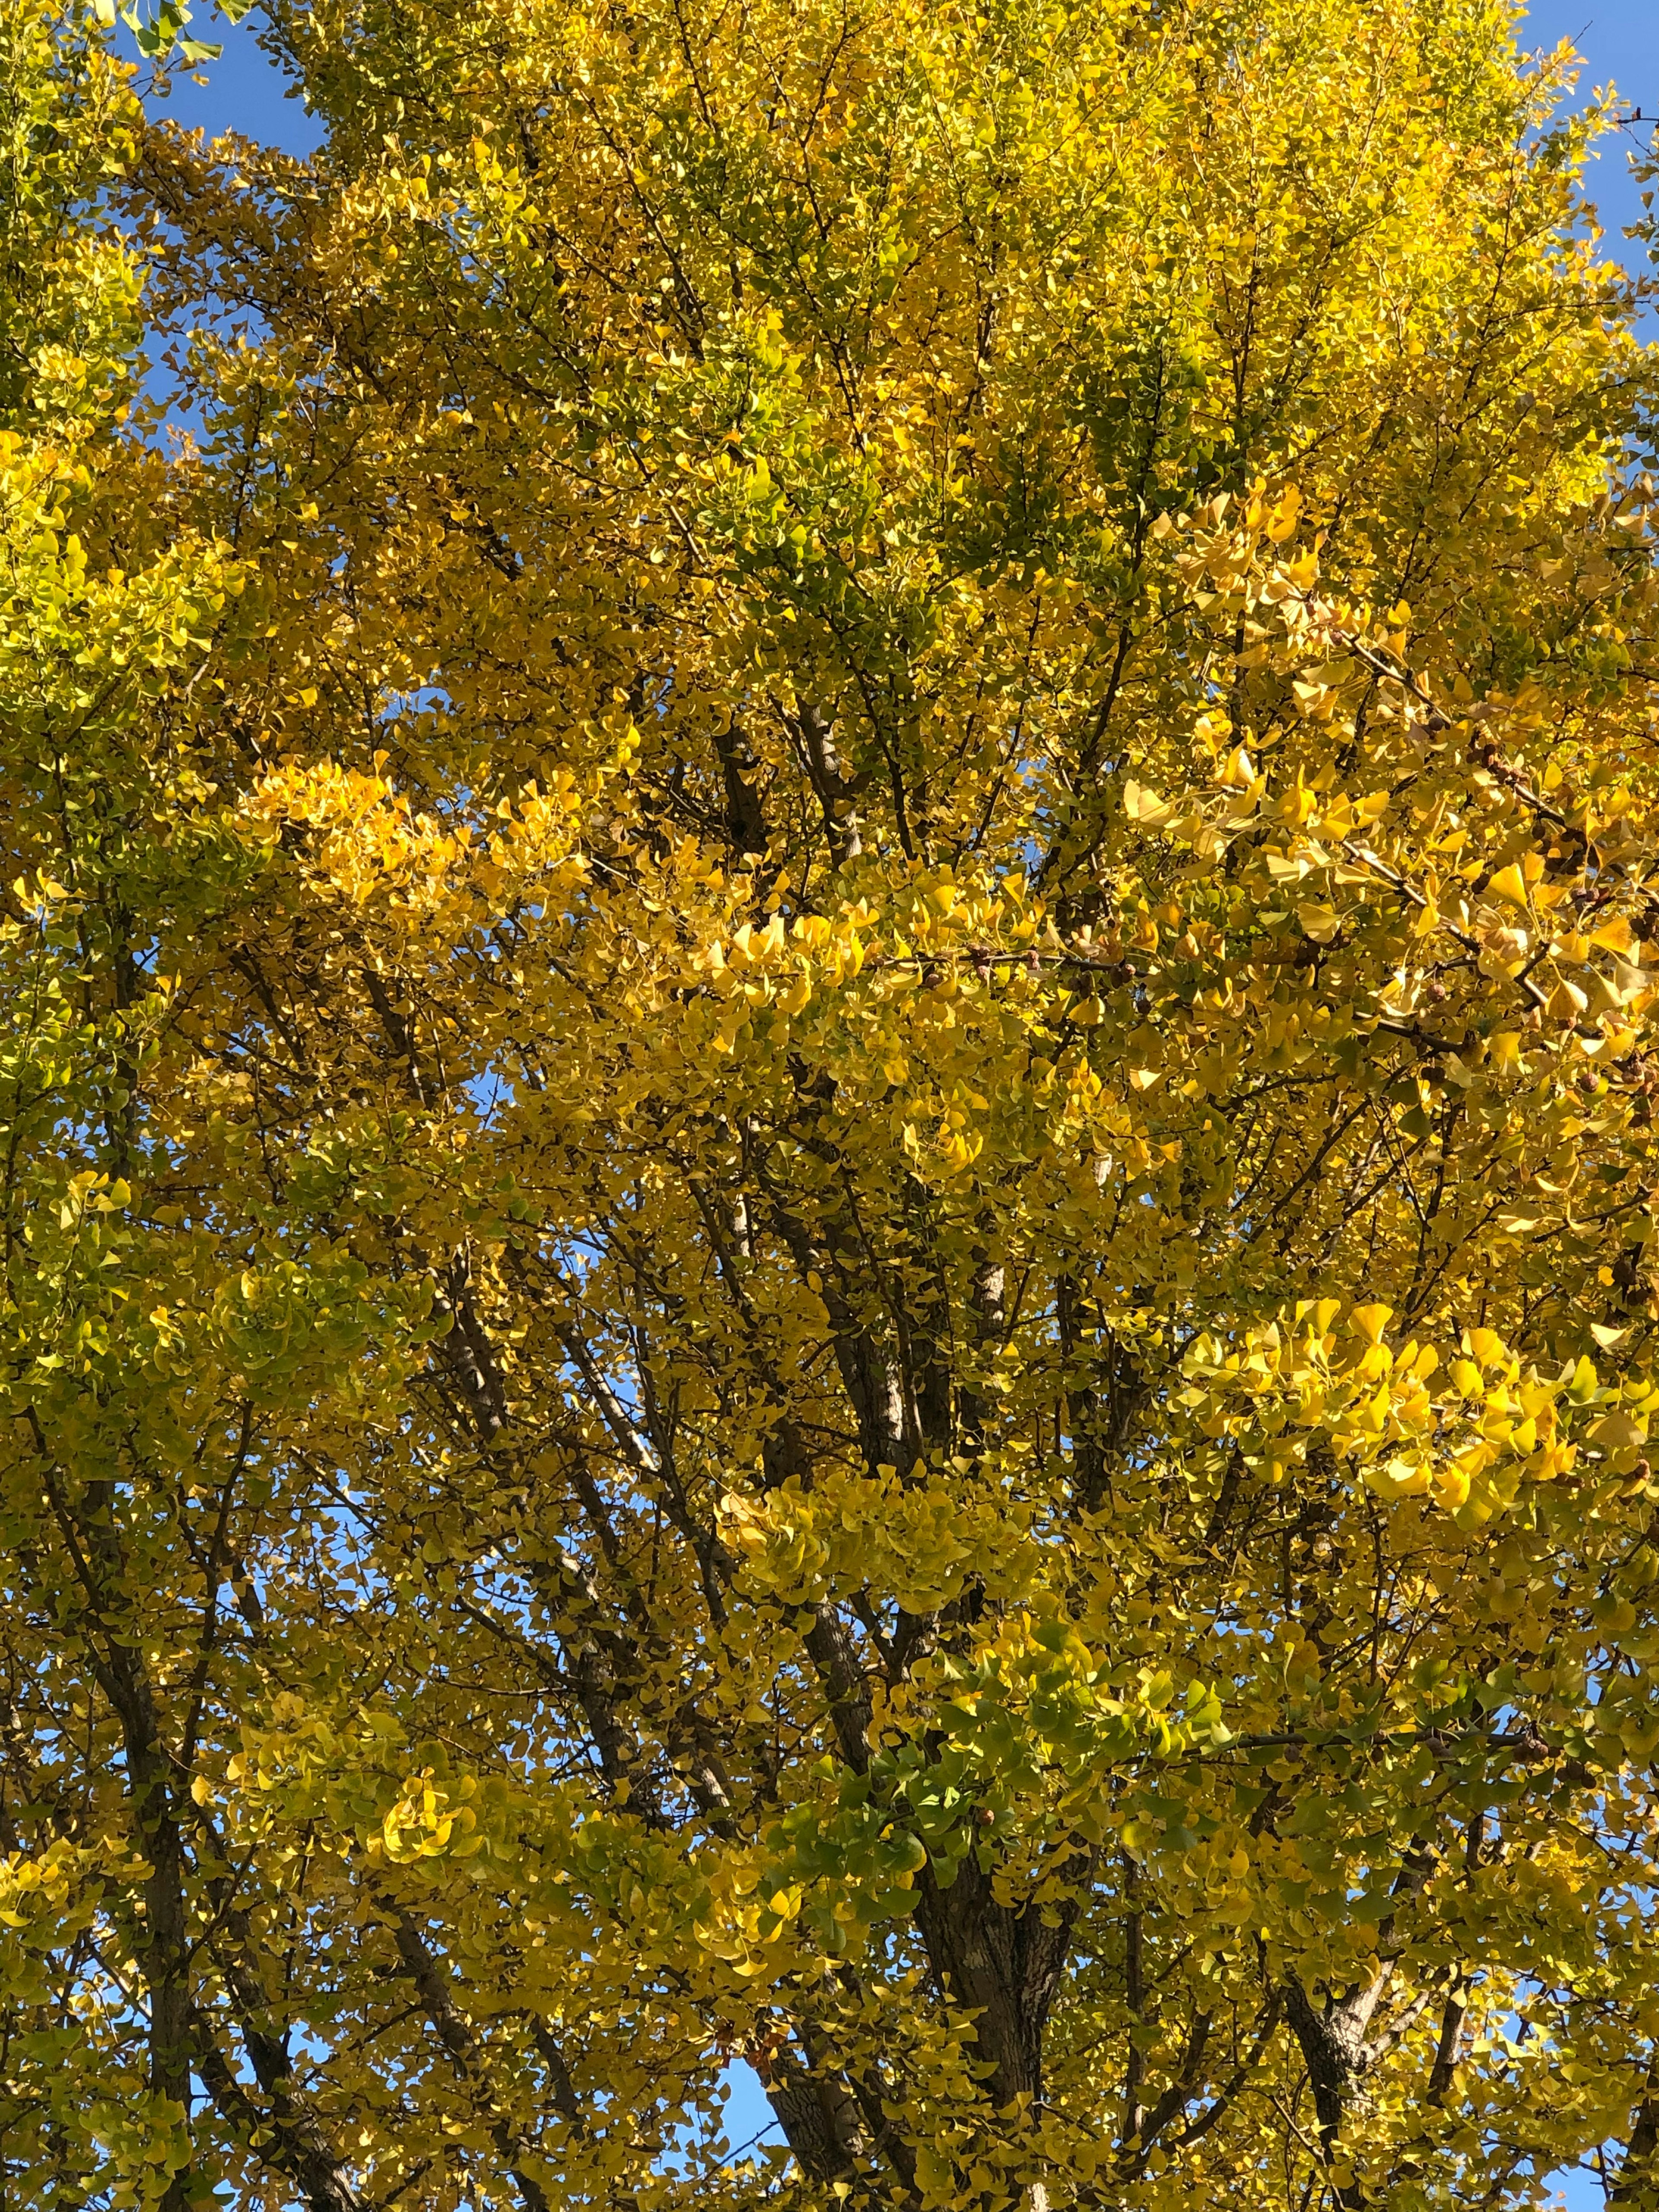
<point>827,1104</point>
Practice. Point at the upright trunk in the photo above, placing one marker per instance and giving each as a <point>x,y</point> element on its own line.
<point>1331,2038</point>
<point>165,1960</point>
<point>1001,1963</point>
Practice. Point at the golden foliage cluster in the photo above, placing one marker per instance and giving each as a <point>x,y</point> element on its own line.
<point>827,1086</point>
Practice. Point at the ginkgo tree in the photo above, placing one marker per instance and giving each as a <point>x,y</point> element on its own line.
<point>828,1205</point>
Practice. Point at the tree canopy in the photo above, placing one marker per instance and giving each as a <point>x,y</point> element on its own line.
<point>827,1074</point>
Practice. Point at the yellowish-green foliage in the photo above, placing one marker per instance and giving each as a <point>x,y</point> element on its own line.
<point>827,1098</point>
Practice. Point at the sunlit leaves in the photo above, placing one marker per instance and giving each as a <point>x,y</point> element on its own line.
<point>828,1099</point>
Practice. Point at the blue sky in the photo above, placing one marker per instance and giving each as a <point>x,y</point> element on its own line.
<point>1619,42</point>
<point>243,91</point>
